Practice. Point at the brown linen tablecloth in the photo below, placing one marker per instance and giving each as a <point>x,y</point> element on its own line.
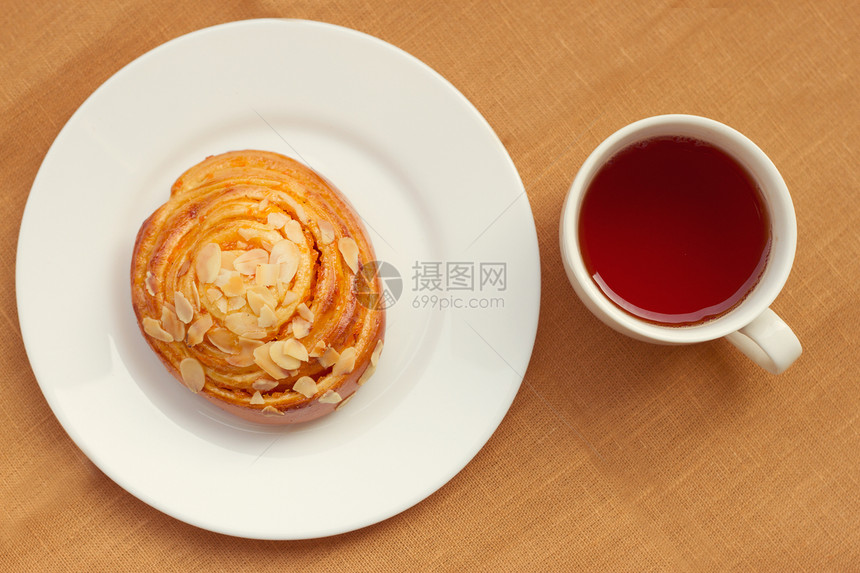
<point>616,455</point>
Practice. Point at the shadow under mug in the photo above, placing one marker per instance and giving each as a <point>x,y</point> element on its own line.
<point>751,326</point>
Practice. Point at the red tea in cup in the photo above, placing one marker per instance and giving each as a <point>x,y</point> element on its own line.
<point>674,231</point>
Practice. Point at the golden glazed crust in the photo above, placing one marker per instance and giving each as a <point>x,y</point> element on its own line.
<point>254,287</point>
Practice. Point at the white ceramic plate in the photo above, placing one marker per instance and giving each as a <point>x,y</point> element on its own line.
<point>434,185</point>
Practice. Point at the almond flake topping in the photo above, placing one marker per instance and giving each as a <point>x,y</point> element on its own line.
<point>223,276</point>
<point>247,262</point>
<point>329,357</point>
<point>279,357</point>
<point>296,349</point>
<point>300,211</point>
<point>345,400</point>
<point>208,262</point>
<point>244,324</point>
<point>271,411</point>
<point>365,376</point>
<point>318,349</point>
<point>240,360</point>
<point>264,385</point>
<point>230,283</point>
<point>150,283</point>
<point>267,275</point>
<point>257,398</point>
<point>330,397</point>
<point>223,340</point>
<point>198,328</point>
<point>305,386</point>
<point>276,220</point>
<point>301,327</point>
<point>227,258</point>
<point>345,363</point>
<point>186,264</point>
<point>267,317</point>
<point>245,356</point>
<point>196,296</point>
<point>221,305</point>
<point>235,303</point>
<point>213,294</point>
<point>305,312</point>
<point>282,248</point>
<point>326,232</point>
<point>374,358</point>
<point>258,297</point>
<point>293,230</point>
<point>247,233</point>
<point>171,323</point>
<point>287,254</point>
<point>153,328</point>
<point>184,310</point>
<point>192,373</point>
<point>263,358</point>
<point>289,298</point>
<point>349,249</point>
<point>287,272</point>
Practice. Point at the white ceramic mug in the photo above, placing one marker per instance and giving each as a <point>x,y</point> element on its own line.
<point>751,326</point>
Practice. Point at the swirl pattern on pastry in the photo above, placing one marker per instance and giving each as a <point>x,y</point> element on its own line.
<point>252,284</point>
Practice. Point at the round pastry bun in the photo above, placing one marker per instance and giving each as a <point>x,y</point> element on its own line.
<point>256,285</point>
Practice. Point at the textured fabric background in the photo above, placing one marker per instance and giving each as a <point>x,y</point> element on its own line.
<point>616,455</point>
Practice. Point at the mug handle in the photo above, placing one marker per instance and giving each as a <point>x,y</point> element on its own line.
<point>768,341</point>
